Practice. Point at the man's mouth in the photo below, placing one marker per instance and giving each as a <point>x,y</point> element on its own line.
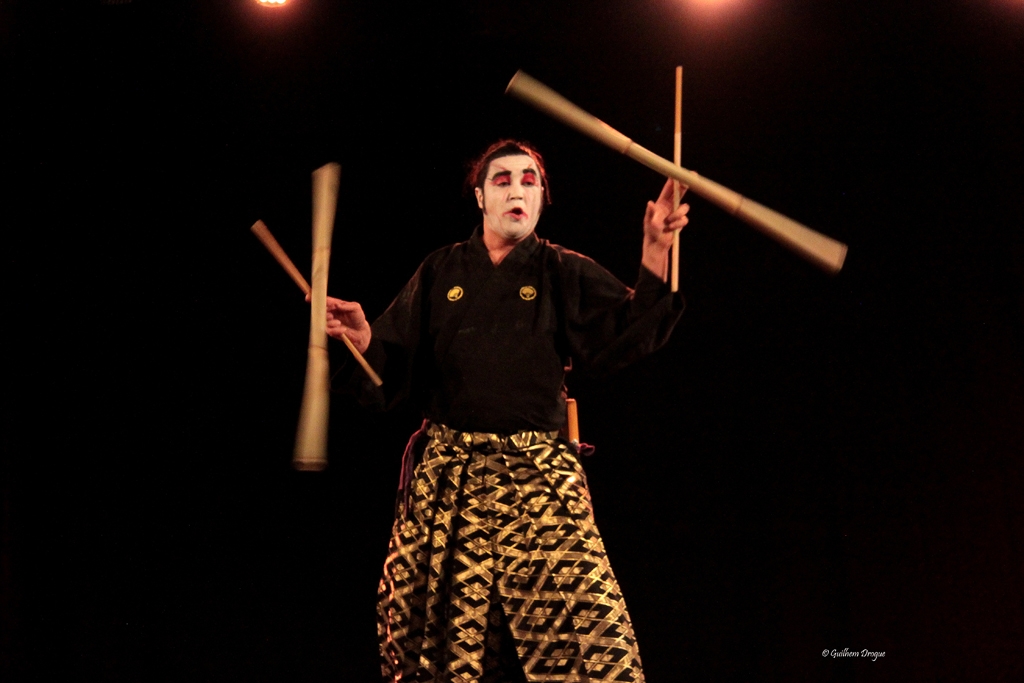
<point>516,213</point>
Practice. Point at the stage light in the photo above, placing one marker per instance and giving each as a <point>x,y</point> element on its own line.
<point>718,11</point>
<point>714,5</point>
<point>271,3</point>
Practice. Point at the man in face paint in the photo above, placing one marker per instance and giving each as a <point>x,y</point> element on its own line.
<point>493,520</point>
<point>511,188</point>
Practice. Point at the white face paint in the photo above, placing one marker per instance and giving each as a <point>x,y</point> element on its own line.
<point>511,197</point>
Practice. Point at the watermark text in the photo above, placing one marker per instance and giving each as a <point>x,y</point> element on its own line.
<point>847,652</point>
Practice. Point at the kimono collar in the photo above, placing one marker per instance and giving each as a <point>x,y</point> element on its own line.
<point>519,254</point>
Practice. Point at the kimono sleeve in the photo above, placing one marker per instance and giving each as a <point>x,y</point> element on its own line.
<point>394,346</point>
<point>607,324</point>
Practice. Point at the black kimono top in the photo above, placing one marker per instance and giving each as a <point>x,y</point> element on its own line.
<point>485,348</point>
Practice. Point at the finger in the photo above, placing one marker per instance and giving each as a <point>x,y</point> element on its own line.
<point>680,212</point>
<point>667,192</point>
<point>341,305</point>
<point>678,224</point>
<point>344,317</point>
<point>649,214</point>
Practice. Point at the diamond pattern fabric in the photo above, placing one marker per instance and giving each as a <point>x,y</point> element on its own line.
<point>496,571</point>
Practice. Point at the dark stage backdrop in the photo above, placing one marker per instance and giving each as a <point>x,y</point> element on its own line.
<point>812,463</point>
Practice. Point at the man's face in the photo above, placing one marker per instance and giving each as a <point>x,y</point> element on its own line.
<point>511,197</point>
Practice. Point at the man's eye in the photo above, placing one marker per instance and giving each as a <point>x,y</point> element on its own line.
<point>501,182</point>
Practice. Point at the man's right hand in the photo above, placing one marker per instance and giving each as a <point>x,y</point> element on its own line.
<point>347,318</point>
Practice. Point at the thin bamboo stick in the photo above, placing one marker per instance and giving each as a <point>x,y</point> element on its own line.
<point>677,157</point>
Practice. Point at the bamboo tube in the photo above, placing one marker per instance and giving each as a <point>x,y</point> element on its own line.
<point>817,248</point>
<point>260,229</point>
<point>677,157</point>
<point>311,439</point>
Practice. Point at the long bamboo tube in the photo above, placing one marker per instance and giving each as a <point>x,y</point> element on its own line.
<point>817,248</point>
<point>311,438</point>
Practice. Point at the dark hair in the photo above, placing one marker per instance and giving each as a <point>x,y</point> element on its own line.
<point>505,148</point>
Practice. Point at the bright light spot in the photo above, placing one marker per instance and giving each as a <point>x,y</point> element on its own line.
<point>713,3</point>
<point>271,3</point>
<point>717,8</point>
<point>720,15</point>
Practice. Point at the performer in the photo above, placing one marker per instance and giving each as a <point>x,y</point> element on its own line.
<point>496,571</point>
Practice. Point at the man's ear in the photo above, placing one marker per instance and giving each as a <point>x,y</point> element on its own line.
<point>479,197</point>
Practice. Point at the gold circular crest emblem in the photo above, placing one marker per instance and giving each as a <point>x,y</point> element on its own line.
<point>455,293</point>
<point>528,293</point>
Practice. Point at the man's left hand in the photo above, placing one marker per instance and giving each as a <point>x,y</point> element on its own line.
<point>660,223</point>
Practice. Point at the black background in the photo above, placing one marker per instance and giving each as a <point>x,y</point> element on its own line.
<point>812,463</point>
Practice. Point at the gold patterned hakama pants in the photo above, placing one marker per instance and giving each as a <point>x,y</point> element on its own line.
<point>496,571</point>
